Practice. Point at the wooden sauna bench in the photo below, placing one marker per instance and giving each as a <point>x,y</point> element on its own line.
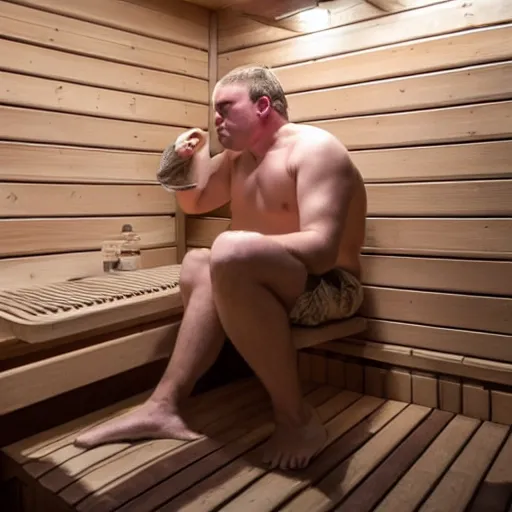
<point>57,310</point>
<point>146,300</point>
<point>382,455</point>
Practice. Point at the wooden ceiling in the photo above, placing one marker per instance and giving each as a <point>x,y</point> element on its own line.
<point>270,9</point>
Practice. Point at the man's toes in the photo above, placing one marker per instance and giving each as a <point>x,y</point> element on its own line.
<point>294,462</point>
<point>304,461</point>
<point>286,461</point>
<point>80,442</point>
<point>190,435</point>
<point>267,455</point>
<point>276,460</point>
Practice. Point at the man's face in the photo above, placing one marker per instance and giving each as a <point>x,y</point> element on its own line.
<point>237,118</point>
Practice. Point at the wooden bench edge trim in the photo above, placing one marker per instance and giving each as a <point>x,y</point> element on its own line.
<point>111,314</point>
<point>32,383</point>
<point>412,359</point>
<point>304,337</point>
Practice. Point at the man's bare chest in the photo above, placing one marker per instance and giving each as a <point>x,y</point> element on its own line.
<point>268,187</point>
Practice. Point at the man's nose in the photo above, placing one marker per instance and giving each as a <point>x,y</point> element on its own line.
<point>218,119</point>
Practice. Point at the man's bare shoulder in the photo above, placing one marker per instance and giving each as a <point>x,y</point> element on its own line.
<point>311,142</point>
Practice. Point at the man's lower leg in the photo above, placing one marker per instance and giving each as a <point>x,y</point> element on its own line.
<point>198,344</point>
<point>252,299</point>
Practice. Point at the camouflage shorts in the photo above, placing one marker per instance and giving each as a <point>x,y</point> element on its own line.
<point>334,295</point>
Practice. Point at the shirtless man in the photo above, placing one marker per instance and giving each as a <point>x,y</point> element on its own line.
<point>292,256</point>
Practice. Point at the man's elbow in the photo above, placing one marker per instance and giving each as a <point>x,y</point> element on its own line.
<point>189,202</point>
<point>325,259</point>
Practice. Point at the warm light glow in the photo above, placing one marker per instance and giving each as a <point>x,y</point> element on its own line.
<point>315,19</point>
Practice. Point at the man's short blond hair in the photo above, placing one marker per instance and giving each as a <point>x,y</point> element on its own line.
<point>261,81</point>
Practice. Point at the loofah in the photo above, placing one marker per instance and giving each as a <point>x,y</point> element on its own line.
<point>174,172</point>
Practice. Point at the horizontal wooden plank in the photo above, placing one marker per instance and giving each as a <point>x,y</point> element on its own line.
<point>481,366</point>
<point>40,236</point>
<point>454,198</point>
<point>189,22</point>
<point>484,238</point>
<point>457,198</point>
<point>484,345</point>
<point>480,313</point>
<point>56,200</point>
<point>236,31</point>
<point>477,46</point>
<point>29,125</point>
<point>61,32</point>
<point>61,65</point>
<point>38,381</point>
<point>430,163</point>
<point>477,238</point>
<point>38,162</point>
<point>35,270</point>
<point>5,332</point>
<point>439,363</point>
<point>441,274</point>
<point>430,90</point>
<point>424,360</point>
<point>453,124</point>
<point>201,232</point>
<point>28,91</point>
<point>405,26</point>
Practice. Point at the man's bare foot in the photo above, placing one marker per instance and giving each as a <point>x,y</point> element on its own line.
<point>294,447</point>
<point>149,421</point>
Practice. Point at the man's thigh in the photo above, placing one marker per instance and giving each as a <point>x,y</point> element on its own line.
<point>251,256</point>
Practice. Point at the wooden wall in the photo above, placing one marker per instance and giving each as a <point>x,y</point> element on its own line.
<point>90,95</point>
<point>422,98</point>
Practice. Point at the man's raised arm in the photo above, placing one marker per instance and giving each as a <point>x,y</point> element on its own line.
<point>211,175</point>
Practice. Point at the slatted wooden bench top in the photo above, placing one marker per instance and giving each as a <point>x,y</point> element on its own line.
<point>382,455</point>
<point>49,311</point>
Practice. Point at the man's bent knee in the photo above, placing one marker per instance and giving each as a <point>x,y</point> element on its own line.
<point>232,247</point>
<point>248,255</point>
<point>194,268</point>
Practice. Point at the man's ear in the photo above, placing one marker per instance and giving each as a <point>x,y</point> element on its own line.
<point>263,106</point>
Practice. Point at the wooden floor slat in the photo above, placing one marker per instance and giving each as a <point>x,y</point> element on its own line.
<point>129,485</point>
<point>458,485</point>
<point>36,452</point>
<point>409,492</point>
<point>381,455</point>
<point>245,447</point>
<point>346,432</point>
<point>91,489</point>
<point>88,460</point>
<point>496,489</point>
<point>382,479</point>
